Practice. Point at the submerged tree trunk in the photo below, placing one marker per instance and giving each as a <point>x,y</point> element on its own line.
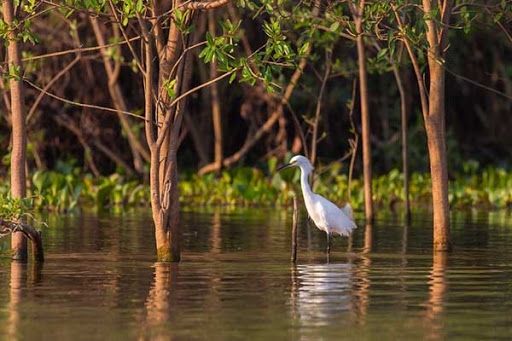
<point>433,108</point>
<point>435,127</point>
<point>357,13</point>
<point>19,133</point>
<point>435,124</point>
<point>172,81</point>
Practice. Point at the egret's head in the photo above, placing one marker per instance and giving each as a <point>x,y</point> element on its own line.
<point>298,161</point>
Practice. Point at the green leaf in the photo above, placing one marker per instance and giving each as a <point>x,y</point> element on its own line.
<point>140,6</point>
<point>209,39</point>
<point>232,77</point>
<point>382,53</point>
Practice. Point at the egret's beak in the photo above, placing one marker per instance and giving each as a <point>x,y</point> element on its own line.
<point>288,165</point>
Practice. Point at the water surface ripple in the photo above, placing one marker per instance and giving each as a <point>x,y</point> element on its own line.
<point>100,281</point>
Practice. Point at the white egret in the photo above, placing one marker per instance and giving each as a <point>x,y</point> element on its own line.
<point>327,216</point>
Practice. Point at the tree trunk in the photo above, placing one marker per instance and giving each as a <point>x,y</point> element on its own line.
<point>435,124</point>
<point>403,110</point>
<point>216,112</point>
<point>435,127</point>
<point>433,108</point>
<point>365,116</point>
<point>19,133</point>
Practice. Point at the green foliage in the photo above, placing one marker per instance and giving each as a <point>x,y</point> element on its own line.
<point>57,191</point>
<point>65,189</point>
<point>14,208</point>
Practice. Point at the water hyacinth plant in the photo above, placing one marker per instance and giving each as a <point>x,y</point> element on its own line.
<point>66,189</point>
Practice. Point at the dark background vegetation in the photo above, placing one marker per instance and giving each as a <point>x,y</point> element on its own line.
<point>479,123</point>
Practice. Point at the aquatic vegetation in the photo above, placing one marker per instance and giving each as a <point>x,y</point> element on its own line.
<point>14,208</point>
<point>67,188</point>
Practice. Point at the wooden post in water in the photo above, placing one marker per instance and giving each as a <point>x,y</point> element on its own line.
<point>294,230</point>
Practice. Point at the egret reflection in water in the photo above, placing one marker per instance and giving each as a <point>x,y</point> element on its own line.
<point>100,282</point>
<point>329,294</point>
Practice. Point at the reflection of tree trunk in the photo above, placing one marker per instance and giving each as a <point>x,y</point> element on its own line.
<point>437,289</point>
<point>361,275</point>
<point>19,133</point>
<point>362,290</point>
<point>294,292</point>
<point>18,281</point>
<point>405,238</point>
<point>216,237</point>
<point>161,299</point>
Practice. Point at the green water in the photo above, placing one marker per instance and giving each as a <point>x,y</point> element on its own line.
<point>100,281</point>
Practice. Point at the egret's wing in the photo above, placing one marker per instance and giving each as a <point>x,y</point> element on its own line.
<point>336,219</point>
<point>348,211</point>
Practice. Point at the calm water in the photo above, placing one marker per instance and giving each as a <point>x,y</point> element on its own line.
<point>100,281</point>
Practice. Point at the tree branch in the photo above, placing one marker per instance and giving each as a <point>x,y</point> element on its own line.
<point>204,5</point>
<point>414,61</point>
<point>9,227</point>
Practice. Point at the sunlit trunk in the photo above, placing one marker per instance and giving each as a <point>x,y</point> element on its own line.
<point>216,111</point>
<point>435,125</point>
<point>19,133</point>
<point>358,12</point>
<point>433,108</point>
<point>435,128</point>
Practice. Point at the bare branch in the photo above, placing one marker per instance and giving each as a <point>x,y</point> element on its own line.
<point>78,104</point>
<point>414,61</point>
<point>9,227</point>
<point>205,5</point>
<point>49,85</point>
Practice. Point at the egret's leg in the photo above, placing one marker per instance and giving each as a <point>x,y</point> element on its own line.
<point>328,243</point>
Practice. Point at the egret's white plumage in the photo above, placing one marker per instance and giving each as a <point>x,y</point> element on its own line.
<point>327,216</point>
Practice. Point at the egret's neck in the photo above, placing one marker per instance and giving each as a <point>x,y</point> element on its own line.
<point>304,183</point>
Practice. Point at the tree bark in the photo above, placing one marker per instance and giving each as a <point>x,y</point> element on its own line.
<point>216,111</point>
<point>358,12</point>
<point>8,227</point>
<point>435,127</point>
<point>403,111</point>
<point>19,133</point>
<point>435,124</point>
<point>164,139</point>
<point>433,108</point>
